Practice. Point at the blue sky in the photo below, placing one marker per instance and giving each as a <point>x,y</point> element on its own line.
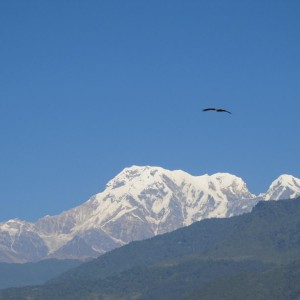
<point>88,88</point>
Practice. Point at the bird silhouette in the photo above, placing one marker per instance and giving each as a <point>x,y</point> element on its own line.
<point>216,109</point>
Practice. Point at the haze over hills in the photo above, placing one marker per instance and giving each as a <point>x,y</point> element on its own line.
<point>140,202</point>
<point>16,275</point>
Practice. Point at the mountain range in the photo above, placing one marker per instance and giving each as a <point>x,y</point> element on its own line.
<point>253,256</point>
<point>139,203</point>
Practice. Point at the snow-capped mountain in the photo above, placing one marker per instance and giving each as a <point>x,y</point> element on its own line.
<point>284,187</point>
<point>138,203</point>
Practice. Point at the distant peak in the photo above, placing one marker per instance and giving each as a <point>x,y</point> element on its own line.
<point>16,220</point>
<point>138,169</point>
<point>221,175</point>
<point>285,180</point>
<point>287,177</point>
<point>129,174</point>
<point>284,187</point>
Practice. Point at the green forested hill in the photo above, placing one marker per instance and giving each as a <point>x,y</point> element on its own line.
<point>242,257</point>
<point>278,283</point>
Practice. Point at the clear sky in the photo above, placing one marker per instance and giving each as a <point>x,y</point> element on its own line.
<point>88,88</point>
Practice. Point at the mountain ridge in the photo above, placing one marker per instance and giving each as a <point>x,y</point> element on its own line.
<point>254,255</point>
<point>138,203</point>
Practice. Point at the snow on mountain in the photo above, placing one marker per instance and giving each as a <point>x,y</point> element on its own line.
<point>284,187</point>
<point>138,203</point>
<point>19,242</point>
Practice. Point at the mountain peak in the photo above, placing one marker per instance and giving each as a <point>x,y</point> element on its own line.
<point>286,179</point>
<point>227,178</point>
<point>137,176</point>
<point>284,187</point>
<point>128,174</point>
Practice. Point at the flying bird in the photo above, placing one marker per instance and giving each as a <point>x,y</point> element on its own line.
<point>216,109</point>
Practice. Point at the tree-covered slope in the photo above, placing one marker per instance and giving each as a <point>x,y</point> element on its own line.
<point>278,283</point>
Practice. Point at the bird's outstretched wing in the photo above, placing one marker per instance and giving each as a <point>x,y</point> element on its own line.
<point>223,110</point>
<point>207,109</point>
<point>216,109</point>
